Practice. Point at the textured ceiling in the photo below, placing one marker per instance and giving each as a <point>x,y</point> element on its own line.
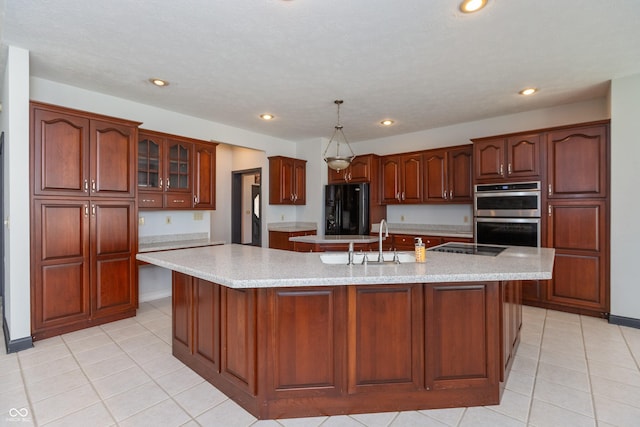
<point>420,62</point>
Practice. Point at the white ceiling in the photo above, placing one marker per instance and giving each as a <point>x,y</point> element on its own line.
<point>422,63</point>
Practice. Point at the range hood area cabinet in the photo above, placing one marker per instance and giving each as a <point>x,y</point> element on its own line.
<point>83,223</point>
<point>175,172</point>
<point>287,181</point>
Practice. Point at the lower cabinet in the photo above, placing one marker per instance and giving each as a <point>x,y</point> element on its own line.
<point>83,269</point>
<point>348,349</point>
<point>280,239</point>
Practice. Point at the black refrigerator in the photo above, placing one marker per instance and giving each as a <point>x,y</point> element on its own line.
<point>346,209</point>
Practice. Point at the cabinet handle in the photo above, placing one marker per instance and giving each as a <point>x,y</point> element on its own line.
<point>403,196</point>
<point>509,169</point>
<point>86,210</point>
<point>168,183</point>
<point>195,200</point>
<point>444,194</point>
<point>93,210</point>
<point>501,169</point>
<point>160,186</point>
<point>86,186</point>
<point>148,200</point>
<point>549,210</point>
<point>450,194</point>
<point>550,192</point>
<point>178,200</point>
<point>93,185</point>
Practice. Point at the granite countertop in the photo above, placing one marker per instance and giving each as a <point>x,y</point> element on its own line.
<point>463,231</point>
<point>240,266</point>
<point>292,227</point>
<point>175,241</point>
<point>334,239</point>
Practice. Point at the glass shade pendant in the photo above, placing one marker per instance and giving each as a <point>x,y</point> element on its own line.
<point>338,162</point>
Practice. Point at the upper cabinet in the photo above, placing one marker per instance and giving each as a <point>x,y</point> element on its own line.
<point>287,181</point>
<point>76,154</point>
<point>402,178</point>
<point>577,162</point>
<point>447,175</point>
<point>175,172</point>
<point>360,170</point>
<point>516,157</point>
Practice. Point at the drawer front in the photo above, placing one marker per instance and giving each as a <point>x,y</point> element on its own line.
<point>177,200</point>
<point>149,200</point>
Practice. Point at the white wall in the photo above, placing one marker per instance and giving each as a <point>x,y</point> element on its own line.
<point>625,196</point>
<point>15,124</point>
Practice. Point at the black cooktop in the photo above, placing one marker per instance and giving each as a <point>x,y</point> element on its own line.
<point>469,249</point>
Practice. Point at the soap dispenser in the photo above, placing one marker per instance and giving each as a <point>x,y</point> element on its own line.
<point>421,254</point>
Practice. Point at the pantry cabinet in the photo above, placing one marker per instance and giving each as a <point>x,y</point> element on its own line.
<point>577,162</point>
<point>204,179</point>
<point>401,178</point>
<point>512,157</point>
<point>447,175</point>
<point>287,181</point>
<point>77,155</point>
<point>83,222</point>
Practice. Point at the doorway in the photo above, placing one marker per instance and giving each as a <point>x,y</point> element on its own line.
<point>246,207</point>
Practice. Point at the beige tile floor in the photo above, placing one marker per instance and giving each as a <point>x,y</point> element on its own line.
<point>569,370</point>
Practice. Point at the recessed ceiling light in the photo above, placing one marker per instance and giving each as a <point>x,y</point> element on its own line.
<point>159,82</point>
<point>387,122</point>
<point>470,6</point>
<point>267,116</point>
<point>528,91</point>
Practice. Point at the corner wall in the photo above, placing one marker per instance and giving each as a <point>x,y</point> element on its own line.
<point>625,198</point>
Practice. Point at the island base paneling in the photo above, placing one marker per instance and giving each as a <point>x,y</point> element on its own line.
<point>330,350</point>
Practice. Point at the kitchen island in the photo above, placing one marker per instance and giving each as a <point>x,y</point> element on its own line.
<point>285,335</point>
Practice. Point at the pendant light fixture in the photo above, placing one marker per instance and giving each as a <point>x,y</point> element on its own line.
<point>338,162</point>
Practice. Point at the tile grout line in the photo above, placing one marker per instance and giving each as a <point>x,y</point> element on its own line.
<point>586,358</point>
<point>535,376</point>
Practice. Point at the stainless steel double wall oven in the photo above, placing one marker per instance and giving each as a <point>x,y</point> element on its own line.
<point>508,213</point>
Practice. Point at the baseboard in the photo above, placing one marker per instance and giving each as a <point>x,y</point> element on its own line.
<point>151,296</point>
<point>15,345</point>
<point>624,321</point>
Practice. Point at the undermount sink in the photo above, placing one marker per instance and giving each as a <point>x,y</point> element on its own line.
<point>372,258</point>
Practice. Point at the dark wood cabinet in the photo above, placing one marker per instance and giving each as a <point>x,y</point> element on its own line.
<point>447,175</point>
<point>577,160</point>
<point>406,242</point>
<point>204,178</point>
<point>577,229</point>
<point>81,155</point>
<point>280,239</point>
<point>512,157</point>
<point>361,169</point>
<point>287,181</point>
<point>401,178</point>
<point>83,221</point>
<point>348,349</point>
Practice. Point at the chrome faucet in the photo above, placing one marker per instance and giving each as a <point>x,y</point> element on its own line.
<point>386,234</point>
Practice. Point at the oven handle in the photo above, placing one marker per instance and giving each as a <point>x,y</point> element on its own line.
<point>516,220</point>
<point>507,193</point>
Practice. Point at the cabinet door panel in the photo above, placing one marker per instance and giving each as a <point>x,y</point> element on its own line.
<point>182,298</point>
<point>459,175</point>
<point>390,179</point>
<point>435,176</point>
<point>150,162</point>
<point>489,159</point>
<point>577,226</point>
<point>238,328</point>
<point>61,153</point>
<point>178,164</point>
<point>112,159</point>
<point>411,187</point>
<point>206,312</point>
<point>300,182</point>
<point>60,286</point>
<point>578,280</point>
<point>523,156</point>
<point>384,322</point>
<point>305,338</point>
<point>577,162</point>
<point>114,281</point>
<point>205,173</point>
